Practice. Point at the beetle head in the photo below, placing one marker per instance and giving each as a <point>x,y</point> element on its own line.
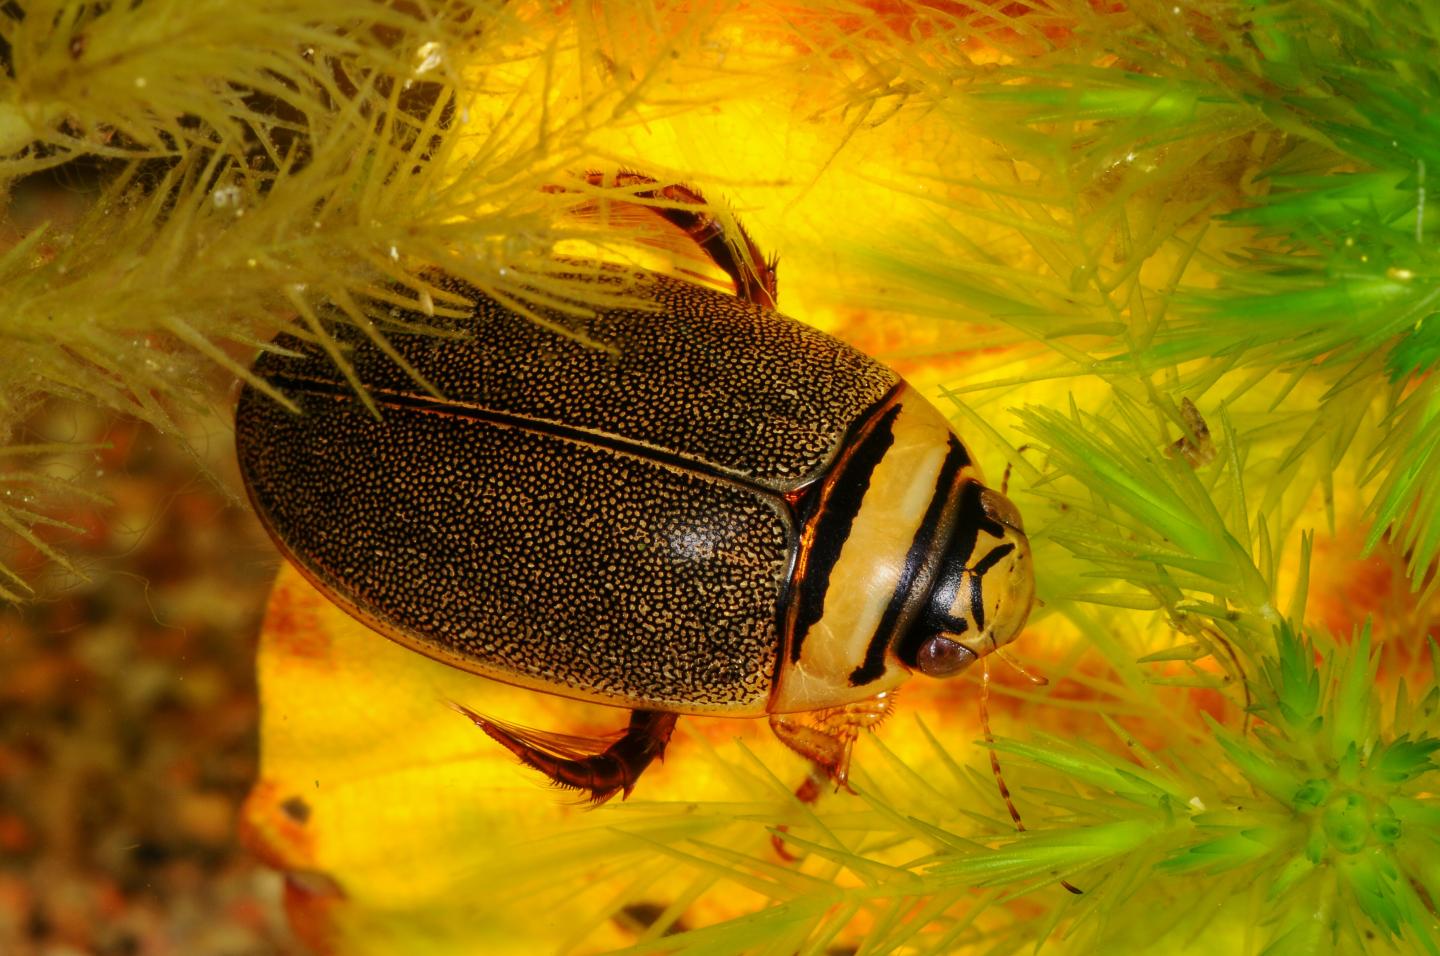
<point>983,592</point>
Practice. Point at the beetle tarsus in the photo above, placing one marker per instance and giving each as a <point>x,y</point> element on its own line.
<point>572,761</point>
<point>826,736</point>
<point>736,255</point>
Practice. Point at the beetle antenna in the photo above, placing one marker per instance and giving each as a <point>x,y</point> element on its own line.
<point>1230,652</point>
<point>995,756</point>
<point>1039,680</point>
<point>1005,478</point>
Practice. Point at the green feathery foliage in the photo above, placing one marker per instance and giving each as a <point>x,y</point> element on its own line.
<point>1327,809</point>
<point>245,164</point>
<point>1314,835</point>
<point>1324,804</point>
<point>1310,826</point>
<point>1309,819</point>
<point>1302,127</point>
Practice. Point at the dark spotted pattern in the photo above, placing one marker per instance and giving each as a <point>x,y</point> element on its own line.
<point>724,385</point>
<point>527,555</point>
<point>603,523</point>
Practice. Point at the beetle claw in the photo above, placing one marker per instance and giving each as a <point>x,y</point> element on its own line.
<point>807,793</point>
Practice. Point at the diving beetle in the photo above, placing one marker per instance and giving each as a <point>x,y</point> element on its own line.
<point>725,513</point>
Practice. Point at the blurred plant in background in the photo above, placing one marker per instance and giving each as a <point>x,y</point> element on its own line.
<point>1169,263</point>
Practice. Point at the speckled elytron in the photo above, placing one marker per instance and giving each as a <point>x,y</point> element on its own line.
<point>728,512</point>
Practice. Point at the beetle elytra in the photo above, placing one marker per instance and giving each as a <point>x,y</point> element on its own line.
<point>731,513</point>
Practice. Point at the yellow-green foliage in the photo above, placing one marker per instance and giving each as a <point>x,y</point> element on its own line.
<point>1220,202</point>
<point>257,163</point>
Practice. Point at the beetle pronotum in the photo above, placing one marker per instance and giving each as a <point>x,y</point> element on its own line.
<point>732,514</point>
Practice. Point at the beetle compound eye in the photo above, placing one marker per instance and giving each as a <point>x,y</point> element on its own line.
<point>1001,509</point>
<point>942,657</point>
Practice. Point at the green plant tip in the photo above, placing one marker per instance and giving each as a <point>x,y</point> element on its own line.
<point>1386,826</point>
<point>1312,794</point>
<point>1346,822</point>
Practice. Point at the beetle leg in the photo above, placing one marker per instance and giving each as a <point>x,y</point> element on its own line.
<point>737,256</point>
<point>807,793</point>
<point>563,759</point>
<point>827,736</point>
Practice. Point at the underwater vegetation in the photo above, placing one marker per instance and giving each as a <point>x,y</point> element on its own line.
<point>1169,265</point>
